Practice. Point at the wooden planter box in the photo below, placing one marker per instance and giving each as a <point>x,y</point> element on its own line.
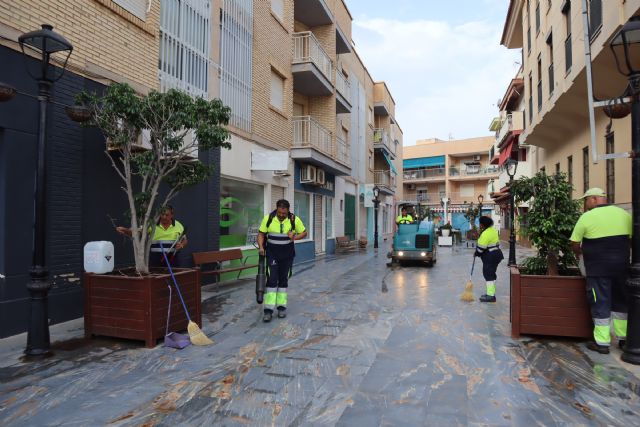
<point>136,307</point>
<point>549,305</point>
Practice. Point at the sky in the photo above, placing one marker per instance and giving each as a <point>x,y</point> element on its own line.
<point>441,59</point>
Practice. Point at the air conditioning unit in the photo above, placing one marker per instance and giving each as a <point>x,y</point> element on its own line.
<point>320,178</point>
<point>281,173</point>
<point>476,157</point>
<point>307,174</point>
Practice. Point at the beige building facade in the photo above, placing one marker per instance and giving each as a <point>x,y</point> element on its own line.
<point>551,35</point>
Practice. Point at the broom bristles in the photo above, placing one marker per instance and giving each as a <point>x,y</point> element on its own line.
<point>197,336</point>
<point>467,295</point>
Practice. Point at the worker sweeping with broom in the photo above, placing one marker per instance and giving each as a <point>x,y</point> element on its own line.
<point>488,249</point>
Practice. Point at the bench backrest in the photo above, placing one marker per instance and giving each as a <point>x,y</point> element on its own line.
<point>342,239</point>
<point>200,258</point>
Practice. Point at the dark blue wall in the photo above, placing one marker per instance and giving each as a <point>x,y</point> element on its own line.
<point>83,194</point>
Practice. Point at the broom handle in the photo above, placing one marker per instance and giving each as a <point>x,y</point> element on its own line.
<point>473,264</point>
<point>175,282</point>
<point>166,331</point>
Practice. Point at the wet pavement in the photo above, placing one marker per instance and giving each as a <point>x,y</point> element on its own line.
<point>363,345</point>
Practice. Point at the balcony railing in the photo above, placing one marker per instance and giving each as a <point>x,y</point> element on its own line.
<point>414,175</point>
<point>343,86</point>
<point>420,197</point>
<point>474,171</point>
<point>342,149</point>
<point>384,178</point>
<point>306,48</point>
<point>513,121</point>
<point>381,137</point>
<point>457,198</point>
<point>308,133</point>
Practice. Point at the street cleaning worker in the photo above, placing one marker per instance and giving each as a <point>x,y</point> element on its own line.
<point>404,217</point>
<point>279,229</point>
<point>488,249</point>
<point>167,231</point>
<point>602,236</point>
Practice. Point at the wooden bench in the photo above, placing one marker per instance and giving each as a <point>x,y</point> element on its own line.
<point>217,258</point>
<point>344,244</point>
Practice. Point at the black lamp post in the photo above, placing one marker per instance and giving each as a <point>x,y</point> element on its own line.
<point>512,166</point>
<point>376,205</point>
<point>45,42</point>
<point>626,50</point>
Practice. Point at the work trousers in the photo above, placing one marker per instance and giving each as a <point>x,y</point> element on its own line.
<point>276,292</point>
<point>608,301</point>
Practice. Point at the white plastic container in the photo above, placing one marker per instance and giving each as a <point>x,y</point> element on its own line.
<point>98,257</point>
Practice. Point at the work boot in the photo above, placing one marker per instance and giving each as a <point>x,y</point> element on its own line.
<point>488,298</point>
<point>602,349</point>
<point>621,344</point>
<point>282,314</point>
<point>267,317</point>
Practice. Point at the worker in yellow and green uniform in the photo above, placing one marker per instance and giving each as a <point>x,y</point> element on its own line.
<point>169,232</point>
<point>277,233</point>
<point>404,217</point>
<point>601,236</point>
<point>488,249</point>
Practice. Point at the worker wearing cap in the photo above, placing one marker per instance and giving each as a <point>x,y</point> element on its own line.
<point>404,217</point>
<point>602,235</point>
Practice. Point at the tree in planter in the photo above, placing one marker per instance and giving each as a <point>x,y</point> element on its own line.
<point>549,221</point>
<point>470,215</point>
<point>166,123</point>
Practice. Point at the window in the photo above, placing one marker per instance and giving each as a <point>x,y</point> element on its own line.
<point>568,57</point>
<point>371,116</point>
<point>551,78</point>
<point>467,190</point>
<point>241,211</point>
<point>585,169</point>
<point>137,8</point>
<point>277,7</point>
<point>557,168</point>
<point>611,172</point>
<point>537,17</point>
<point>529,39</point>
<point>371,160</point>
<point>184,46</point>
<point>277,91</point>
<point>570,170</point>
<point>595,18</point>
<point>385,219</point>
<point>530,98</point>
<point>539,83</point>
<point>302,209</point>
<point>422,196</point>
<point>523,155</point>
<point>328,216</point>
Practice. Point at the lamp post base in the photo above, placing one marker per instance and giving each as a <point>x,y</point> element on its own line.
<point>38,341</point>
<point>631,350</point>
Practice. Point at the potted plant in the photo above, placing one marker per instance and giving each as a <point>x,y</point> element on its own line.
<point>150,141</point>
<point>547,292</point>
<point>470,215</point>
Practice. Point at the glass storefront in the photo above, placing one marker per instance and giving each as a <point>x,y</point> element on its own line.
<point>302,209</point>
<point>329,216</point>
<point>241,210</point>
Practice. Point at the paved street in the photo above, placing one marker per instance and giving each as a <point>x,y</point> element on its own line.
<point>363,345</point>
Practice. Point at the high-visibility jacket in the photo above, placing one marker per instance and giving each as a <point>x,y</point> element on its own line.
<point>488,246</point>
<point>166,236</point>
<point>604,232</point>
<point>404,219</point>
<point>277,233</point>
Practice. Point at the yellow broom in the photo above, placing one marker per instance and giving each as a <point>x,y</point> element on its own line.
<point>467,295</point>
<point>196,335</point>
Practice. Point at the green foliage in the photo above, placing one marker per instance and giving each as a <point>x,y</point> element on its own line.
<point>165,122</point>
<point>471,214</point>
<point>536,265</point>
<point>446,227</point>
<point>550,219</point>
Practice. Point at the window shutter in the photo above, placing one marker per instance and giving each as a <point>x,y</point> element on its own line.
<point>136,7</point>
<point>277,7</point>
<point>277,90</point>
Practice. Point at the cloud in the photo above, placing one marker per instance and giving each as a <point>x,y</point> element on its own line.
<point>446,79</point>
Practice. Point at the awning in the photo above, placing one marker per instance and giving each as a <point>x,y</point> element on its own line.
<point>423,162</point>
<point>506,151</point>
<point>393,168</point>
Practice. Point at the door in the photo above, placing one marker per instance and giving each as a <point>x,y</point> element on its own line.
<point>350,216</point>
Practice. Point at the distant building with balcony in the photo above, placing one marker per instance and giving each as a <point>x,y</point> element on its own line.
<point>458,170</point>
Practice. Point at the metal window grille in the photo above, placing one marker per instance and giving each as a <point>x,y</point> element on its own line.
<point>236,51</point>
<point>185,34</point>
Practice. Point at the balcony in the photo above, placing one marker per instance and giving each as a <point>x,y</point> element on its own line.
<point>419,197</point>
<point>472,172</point>
<point>456,198</point>
<point>314,144</point>
<point>514,122</point>
<point>383,103</point>
<point>311,66</point>
<point>424,175</point>
<point>312,13</point>
<point>343,93</point>
<point>385,180</point>
<point>382,141</point>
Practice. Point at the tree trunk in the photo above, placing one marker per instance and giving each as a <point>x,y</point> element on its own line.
<point>552,264</point>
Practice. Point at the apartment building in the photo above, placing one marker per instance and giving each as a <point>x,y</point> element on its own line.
<point>457,170</point>
<point>137,42</point>
<point>508,128</point>
<point>551,35</point>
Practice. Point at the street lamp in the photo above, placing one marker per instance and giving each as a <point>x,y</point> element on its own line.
<point>376,205</point>
<point>44,42</point>
<point>625,45</point>
<point>512,166</point>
